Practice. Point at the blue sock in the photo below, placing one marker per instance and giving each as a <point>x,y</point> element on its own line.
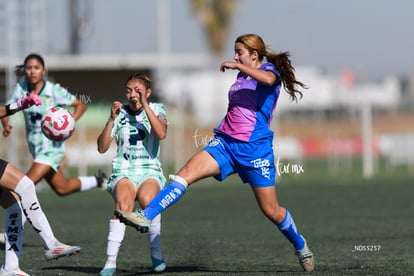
<point>288,229</point>
<point>169,195</point>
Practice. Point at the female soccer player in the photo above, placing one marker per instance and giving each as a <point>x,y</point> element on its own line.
<point>137,128</point>
<point>243,131</point>
<point>13,179</point>
<point>48,154</point>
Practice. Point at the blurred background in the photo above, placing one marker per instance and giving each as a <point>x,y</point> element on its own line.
<point>356,118</point>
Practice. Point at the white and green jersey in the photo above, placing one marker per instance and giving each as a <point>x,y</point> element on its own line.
<point>138,146</point>
<point>52,95</point>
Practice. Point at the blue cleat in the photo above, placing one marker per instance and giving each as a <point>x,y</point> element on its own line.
<point>107,271</point>
<point>158,265</point>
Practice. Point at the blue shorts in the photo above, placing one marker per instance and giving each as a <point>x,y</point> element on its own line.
<point>252,161</point>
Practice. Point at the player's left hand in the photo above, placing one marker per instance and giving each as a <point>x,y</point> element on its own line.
<point>28,100</point>
<point>142,97</point>
<point>228,65</point>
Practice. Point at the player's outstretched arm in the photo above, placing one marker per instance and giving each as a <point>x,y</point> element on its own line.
<point>27,101</point>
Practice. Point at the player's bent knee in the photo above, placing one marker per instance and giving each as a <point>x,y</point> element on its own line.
<point>274,214</point>
<point>62,191</point>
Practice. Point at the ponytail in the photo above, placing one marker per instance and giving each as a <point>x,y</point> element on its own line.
<point>287,73</point>
<point>19,70</point>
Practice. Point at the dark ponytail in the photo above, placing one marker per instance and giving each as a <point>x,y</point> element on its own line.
<point>19,70</point>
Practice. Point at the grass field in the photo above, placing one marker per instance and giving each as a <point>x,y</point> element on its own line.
<point>354,227</point>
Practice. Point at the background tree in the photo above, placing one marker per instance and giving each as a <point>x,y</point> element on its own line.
<point>215,17</point>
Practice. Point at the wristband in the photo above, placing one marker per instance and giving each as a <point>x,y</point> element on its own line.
<point>11,108</point>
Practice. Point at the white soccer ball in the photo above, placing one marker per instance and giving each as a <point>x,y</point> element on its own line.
<point>58,124</point>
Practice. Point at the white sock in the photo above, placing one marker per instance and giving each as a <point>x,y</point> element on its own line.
<point>32,209</point>
<point>115,237</point>
<point>13,236</point>
<point>154,237</point>
<point>87,182</point>
<point>24,218</point>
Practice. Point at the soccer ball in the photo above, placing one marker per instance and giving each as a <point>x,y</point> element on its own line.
<point>58,124</point>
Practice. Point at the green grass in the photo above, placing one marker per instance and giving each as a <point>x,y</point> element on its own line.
<point>217,229</point>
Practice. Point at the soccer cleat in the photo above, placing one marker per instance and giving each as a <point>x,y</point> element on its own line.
<point>135,219</point>
<point>101,179</point>
<point>14,272</point>
<point>61,250</point>
<point>306,258</point>
<point>107,271</point>
<point>158,265</point>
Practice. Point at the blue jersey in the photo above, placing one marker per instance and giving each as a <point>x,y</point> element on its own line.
<point>250,108</point>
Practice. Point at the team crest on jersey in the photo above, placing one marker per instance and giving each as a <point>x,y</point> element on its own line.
<point>48,100</point>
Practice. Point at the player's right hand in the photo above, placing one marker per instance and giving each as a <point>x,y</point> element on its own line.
<point>28,100</point>
<point>7,130</point>
<point>115,109</point>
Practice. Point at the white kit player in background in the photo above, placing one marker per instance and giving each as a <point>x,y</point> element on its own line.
<point>12,179</point>
<point>47,154</point>
<point>137,127</point>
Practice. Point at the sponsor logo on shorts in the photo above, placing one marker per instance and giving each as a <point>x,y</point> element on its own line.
<point>214,142</point>
<point>263,164</point>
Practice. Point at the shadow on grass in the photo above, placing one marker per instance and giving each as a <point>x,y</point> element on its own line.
<point>196,270</point>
